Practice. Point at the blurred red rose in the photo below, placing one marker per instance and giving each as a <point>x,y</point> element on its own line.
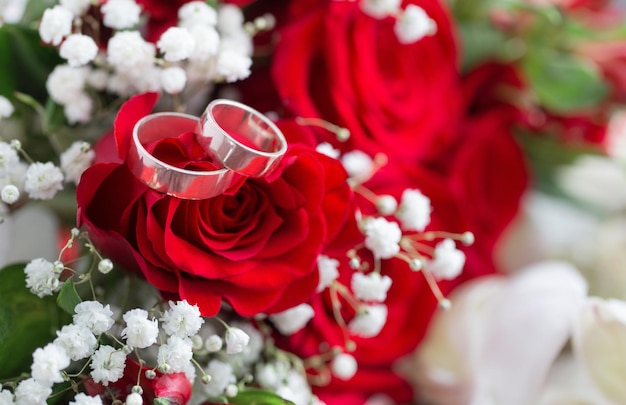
<point>334,62</point>
<point>254,247</point>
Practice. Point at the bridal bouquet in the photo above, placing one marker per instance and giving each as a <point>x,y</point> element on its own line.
<point>266,202</point>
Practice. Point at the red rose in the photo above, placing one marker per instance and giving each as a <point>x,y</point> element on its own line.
<point>337,63</point>
<point>254,247</point>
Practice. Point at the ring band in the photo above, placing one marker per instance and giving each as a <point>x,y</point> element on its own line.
<point>241,138</point>
<point>163,177</point>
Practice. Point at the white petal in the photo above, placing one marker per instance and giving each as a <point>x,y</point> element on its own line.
<point>530,324</point>
<point>600,343</point>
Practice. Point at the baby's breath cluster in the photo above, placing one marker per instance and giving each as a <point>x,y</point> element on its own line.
<point>398,231</point>
<point>21,175</point>
<point>412,22</point>
<point>208,45</point>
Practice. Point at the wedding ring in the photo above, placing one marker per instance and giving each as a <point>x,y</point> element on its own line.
<point>163,177</point>
<point>241,138</point>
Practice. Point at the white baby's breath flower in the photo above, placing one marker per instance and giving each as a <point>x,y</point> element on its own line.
<point>238,42</point>
<point>79,109</point>
<point>197,13</point>
<point>271,375</point>
<point>380,8</point>
<point>78,49</point>
<point>327,149</point>
<point>84,399</point>
<point>414,24</point>
<point>382,237</point>
<point>150,79</point>
<point>128,51</point>
<point>43,180</point>
<point>42,278</point>
<point>328,269</point>
<point>176,353</point>
<point>414,211</point>
<point>140,332</point>
<point>31,391</point>
<point>229,19</point>
<point>236,340</point>
<point>10,194</point>
<point>77,340</point>
<point>6,108</point>
<point>173,79</point>
<point>369,323</point>
<point>295,389</point>
<point>48,362</point>
<point>176,44</point>
<point>98,79</point>
<point>358,164</point>
<point>105,266</point>
<point>207,42</point>
<point>134,398</point>
<point>107,365</point>
<point>214,343</point>
<point>6,397</point>
<point>8,158</point>
<point>181,319</point>
<point>252,350</point>
<point>120,14</point>
<point>344,366</point>
<point>371,287</point>
<point>66,83</point>
<point>55,24</point>
<point>121,84</point>
<point>293,319</point>
<point>221,376</point>
<point>76,159</point>
<point>233,66</point>
<point>77,7</point>
<point>93,315</point>
<point>448,261</point>
<point>386,204</point>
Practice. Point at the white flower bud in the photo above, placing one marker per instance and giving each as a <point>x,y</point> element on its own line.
<point>293,319</point>
<point>386,205</point>
<point>344,366</point>
<point>327,149</point>
<point>10,194</point>
<point>359,165</point>
<point>197,13</point>
<point>236,340</point>
<point>6,108</point>
<point>134,398</point>
<point>214,343</point>
<point>233,66</point>
<point>105,266</point>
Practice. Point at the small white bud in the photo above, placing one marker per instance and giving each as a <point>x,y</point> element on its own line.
<point>231,390</point>
<point>150,374</point>
<point>137,389</point>
<point>344,366</point>
<point>236,340</point>
<point>214,343</point>
<point>445,304</point>
<point>105,266</point>
<point>467,238</point>
<point>10,194</point>
<point>134,398</point>
<point>206,379</point>
<point>386,205</point>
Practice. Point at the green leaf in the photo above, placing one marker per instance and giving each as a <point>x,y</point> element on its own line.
<point>481,41</point>
<point>54,117</point>
<point>256,396</point>
<point>68,297</point>
<point>562,82</point>
<point>25,62</point>
<point>26,322</point>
